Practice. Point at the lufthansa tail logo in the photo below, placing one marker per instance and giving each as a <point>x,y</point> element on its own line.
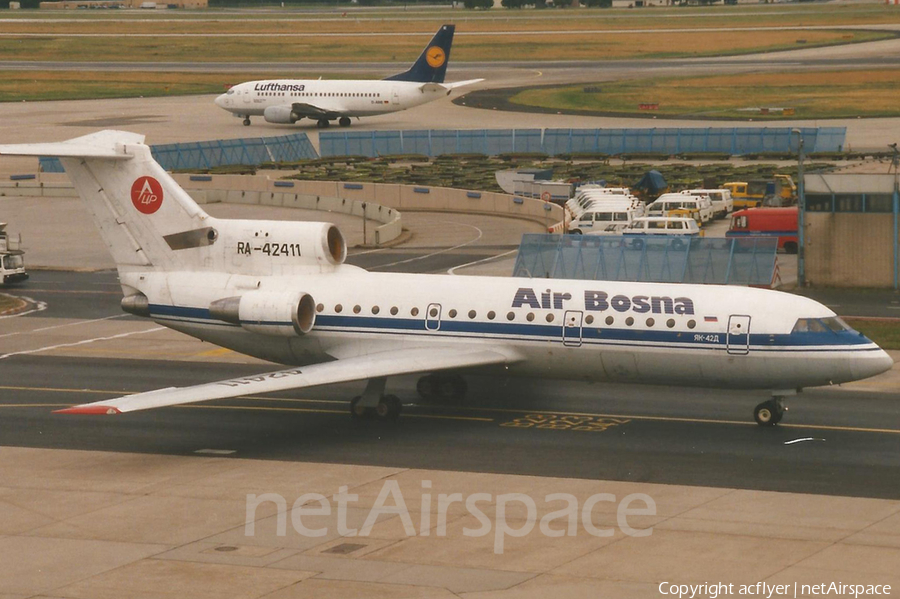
<point>435,57</point>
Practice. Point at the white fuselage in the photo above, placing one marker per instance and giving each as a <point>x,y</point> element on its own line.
<point>350,98</point>
<point>567,329</point>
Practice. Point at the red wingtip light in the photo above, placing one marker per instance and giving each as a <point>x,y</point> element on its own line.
<point>94,410</point>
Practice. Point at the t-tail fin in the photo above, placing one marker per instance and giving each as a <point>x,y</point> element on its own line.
<point>139,209</point>
<point>432,63</point>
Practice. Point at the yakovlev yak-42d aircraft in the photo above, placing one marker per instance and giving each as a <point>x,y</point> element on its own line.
<point>281,292</point>
<point>286,101</point>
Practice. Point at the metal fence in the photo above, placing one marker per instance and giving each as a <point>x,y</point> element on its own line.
<point>210,154</point>
<point>434,142</point>
<point>657,259</point>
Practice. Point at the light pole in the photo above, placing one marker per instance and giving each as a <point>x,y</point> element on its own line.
<point>801,212</point>
<point>895,164</point>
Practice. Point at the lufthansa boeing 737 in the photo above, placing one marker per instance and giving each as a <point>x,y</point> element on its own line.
<point>286,101</point>
<point>280,291</point>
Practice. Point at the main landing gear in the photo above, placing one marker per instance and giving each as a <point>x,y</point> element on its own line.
<point>344,121</point>
<point>442,387</point>
<point>322,123</point>
<point>769,413</point>
<point>246,121</point>
<point>374,403</point>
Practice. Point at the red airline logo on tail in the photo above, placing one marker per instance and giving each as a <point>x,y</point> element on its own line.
<point>146,195</point>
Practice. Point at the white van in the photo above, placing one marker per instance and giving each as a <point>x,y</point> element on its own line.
<point>678,204</point>
<point>663,225</point>
<point>586,193</point>
<point>721,200</point>
<point>605,216</point>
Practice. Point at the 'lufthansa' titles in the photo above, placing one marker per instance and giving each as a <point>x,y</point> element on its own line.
<point>278,87</point>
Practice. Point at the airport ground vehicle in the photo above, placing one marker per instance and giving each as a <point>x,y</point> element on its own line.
<point>678,204</point>
<point>606,215</point>
<point>585,194</point>
<point>751,194</point>
<point>664,225</point>
<point>722,202</point>
<point>12,258</point>
<point>767,222</point>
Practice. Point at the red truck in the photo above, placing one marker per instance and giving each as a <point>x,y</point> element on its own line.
<point>767,222</point>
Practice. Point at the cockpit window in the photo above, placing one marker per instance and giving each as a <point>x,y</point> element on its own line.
<point>820,325</point>
<point>836,324</point>
<point>230,91</point>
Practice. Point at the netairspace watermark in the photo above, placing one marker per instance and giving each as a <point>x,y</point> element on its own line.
<point>712,590</point>
<point>390,502</point>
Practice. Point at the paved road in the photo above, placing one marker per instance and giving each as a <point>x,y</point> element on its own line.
<point>695,437</point>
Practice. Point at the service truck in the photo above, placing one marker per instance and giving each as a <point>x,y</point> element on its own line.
<point>12,258</point>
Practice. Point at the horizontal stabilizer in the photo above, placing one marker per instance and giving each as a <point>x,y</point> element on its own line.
<point>389,363</point>
<point>103,144</point>
<point>456,84</point>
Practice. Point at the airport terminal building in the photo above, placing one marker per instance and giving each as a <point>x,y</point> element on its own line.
<point>852,230</point>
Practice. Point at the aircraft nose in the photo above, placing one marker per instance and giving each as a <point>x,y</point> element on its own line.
<point>220,100</point>
<point>873,365</point>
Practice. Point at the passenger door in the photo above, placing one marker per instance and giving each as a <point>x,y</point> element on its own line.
<point>738,340</point>
<point>433,317</point>
<point>572,324</point>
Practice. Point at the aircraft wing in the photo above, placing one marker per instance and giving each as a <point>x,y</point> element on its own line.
<point>311,111</point>
<point>388,363</point>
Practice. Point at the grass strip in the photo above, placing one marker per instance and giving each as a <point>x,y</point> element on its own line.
<point>810,95</point>
<point>885,332</point>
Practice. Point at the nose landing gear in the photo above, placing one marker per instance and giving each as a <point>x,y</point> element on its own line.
<point>769,413</point>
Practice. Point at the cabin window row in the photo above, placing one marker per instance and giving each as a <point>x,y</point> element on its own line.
<point>322,94</point>
<point>510,316</point>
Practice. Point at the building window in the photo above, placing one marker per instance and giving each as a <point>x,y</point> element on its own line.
<point>818,202</point>
<point>848,202</point>
<point>879,202</point>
